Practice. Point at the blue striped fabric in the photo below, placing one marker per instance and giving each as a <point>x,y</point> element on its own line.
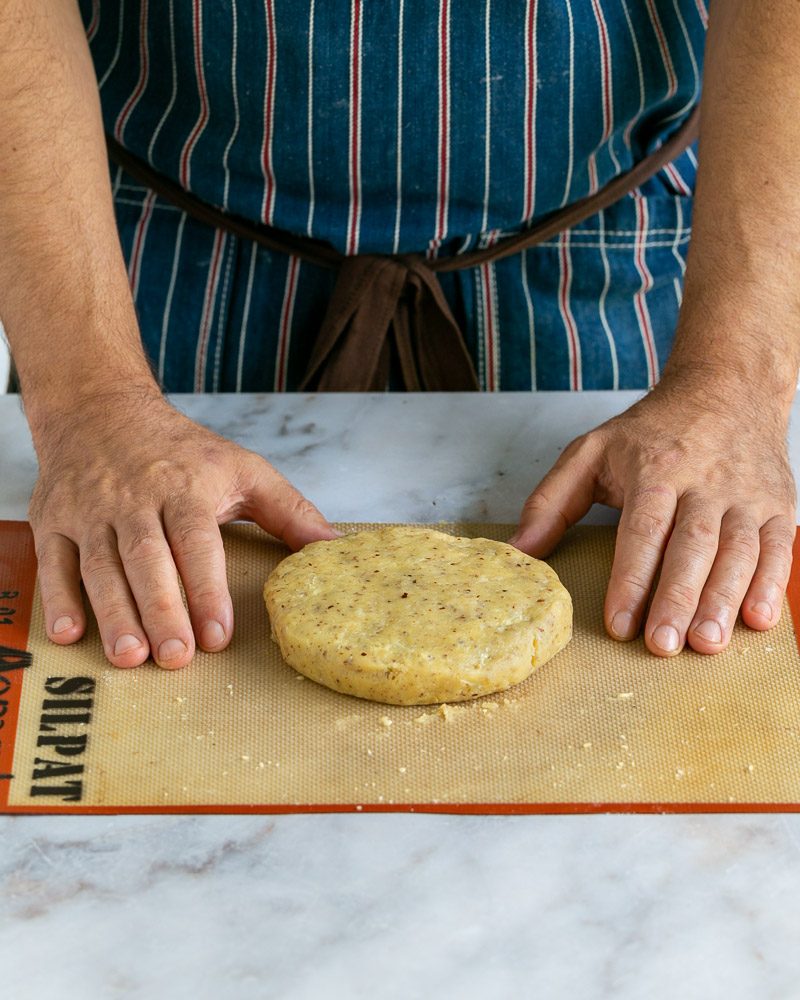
<point>394,126</point>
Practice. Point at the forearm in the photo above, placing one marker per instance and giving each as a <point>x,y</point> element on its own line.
<point>64,295</point>
<point>740,319</point>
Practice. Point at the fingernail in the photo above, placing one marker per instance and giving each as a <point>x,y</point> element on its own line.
<point>622,625</point>
<point>709,630</point>
<point>212,635</point>
<point>666,638</point>
<point>125,643</point>
<point>170,649</point>
<point>763,609</point>
<point>62,624</point>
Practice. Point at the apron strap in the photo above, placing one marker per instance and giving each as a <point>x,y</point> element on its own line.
<point>388,302</point>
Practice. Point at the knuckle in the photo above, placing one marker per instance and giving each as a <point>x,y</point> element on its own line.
<point>667,458</point>
<point>724,595</point>
<point>647,526</point>
<point>207,595</point>
<point>57,598</point>
<point>49,555</point>
<point>537,501</point>
<point>741,543</point>
<point>680,596</point>
<point>301,508</point>
<point>112,610</point>
<point>96,558</point>
<point>780,541</point>
<point>584,447</point>
<point>160,605</point>
<point>632,583</point>
<point>194,534</point>
<point>701,533</point>
<point>142,544</point>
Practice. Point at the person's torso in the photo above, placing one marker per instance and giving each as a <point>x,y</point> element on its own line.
<point>395,125</point>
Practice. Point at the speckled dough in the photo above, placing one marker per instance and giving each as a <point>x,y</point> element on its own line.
<point>411,616</point>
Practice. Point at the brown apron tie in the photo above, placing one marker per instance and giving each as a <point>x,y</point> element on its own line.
<point>382,302</point>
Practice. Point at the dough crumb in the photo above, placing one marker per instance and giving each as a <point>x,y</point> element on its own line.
<point>450,712</point>
<point>385,721</point>
<point>347,722</point>
<point>425,718</point>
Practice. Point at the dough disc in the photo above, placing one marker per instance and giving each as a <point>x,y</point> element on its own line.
<point>411,616</point>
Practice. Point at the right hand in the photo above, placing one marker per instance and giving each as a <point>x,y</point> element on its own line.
<point>129,499</point>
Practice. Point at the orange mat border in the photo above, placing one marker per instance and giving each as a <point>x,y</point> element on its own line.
<point>440,808</point>
<point>16,539</point>
<point>19,533</point>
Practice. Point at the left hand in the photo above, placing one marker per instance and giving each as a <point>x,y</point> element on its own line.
<point>702,477</point>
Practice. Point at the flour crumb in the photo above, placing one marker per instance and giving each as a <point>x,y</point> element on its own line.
<point>425,718</point>
<point>679,773</point>
<point>385,721</point>
<point>347,722</point>
<point>450,712</point>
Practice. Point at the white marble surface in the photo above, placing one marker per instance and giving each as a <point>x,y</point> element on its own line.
<point>396,906</point>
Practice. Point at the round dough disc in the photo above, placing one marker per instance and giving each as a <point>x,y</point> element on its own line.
<point>411,616</point>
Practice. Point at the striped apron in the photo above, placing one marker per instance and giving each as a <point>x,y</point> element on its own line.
<point>395,126</point>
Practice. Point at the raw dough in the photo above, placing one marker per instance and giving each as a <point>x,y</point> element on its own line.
<point>412,616</point>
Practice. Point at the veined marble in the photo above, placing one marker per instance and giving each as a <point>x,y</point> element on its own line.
<point>395,905</point>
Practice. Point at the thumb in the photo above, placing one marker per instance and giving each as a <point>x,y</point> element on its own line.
<point>563,497</point>
<point>276,506</point>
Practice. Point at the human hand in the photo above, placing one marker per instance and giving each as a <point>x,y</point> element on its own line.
<point>129,499</point>
<point>707,498</point>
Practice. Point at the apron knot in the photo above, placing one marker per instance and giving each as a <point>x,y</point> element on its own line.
<point>383,305</point>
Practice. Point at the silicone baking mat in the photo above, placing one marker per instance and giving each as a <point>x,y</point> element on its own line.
<point>604,726</point>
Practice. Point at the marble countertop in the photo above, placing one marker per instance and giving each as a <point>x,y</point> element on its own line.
<point>396,905</point>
